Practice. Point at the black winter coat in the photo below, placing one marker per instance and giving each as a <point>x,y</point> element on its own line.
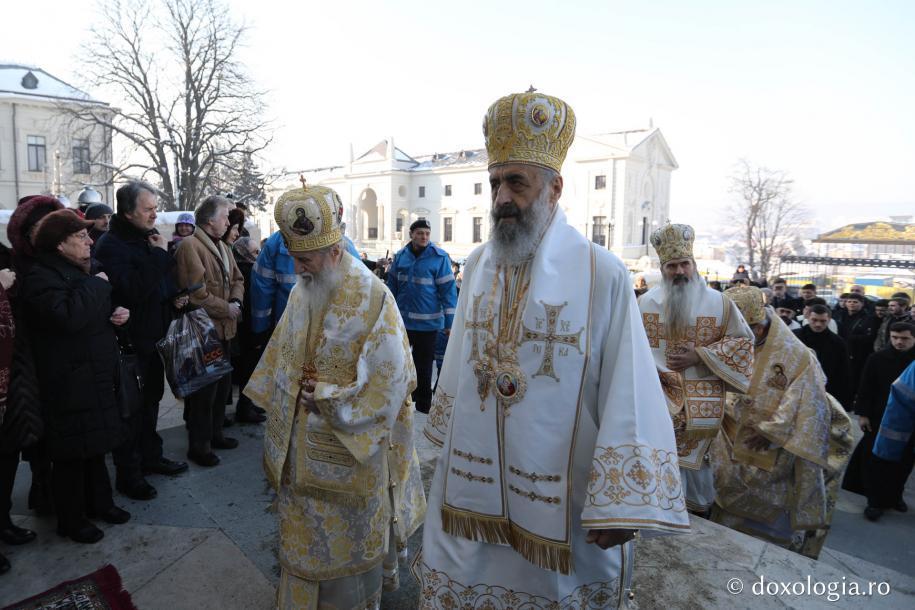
<point>76,357</point>
<point>833,356</point>
<point>139,276</point>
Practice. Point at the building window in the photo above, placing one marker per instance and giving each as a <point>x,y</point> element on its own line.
<point>447,190</point>
<point>81,156</point>
<point>599,231</point>
<point>477,229</point>
<point>422,191</point>
<point>398,225</point>
<point>477,188</point>
<point>37,156</point>
<point>644,230</point>
<point>373,232</point>
<point>600,182</point>
<point>447,228</point>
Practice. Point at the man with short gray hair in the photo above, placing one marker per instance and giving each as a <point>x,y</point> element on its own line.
<point>204,260</point>
<point>133,255</point>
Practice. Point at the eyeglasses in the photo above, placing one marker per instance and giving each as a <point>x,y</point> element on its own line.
<point>82,235</point>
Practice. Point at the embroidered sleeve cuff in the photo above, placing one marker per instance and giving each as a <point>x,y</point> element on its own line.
<point>731,360</point>
<point>635,487</point>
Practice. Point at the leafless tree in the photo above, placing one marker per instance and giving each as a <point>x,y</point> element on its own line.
<point>184,106</point>
<point>768,212</point>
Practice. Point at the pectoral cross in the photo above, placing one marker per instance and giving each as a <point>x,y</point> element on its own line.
<point>476,324</point>
<point>302,180</point>
<point>550,338</point>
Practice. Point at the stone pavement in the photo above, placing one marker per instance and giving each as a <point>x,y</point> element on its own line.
<point>209,541</point>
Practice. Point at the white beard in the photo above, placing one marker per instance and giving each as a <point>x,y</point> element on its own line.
<point>316,290</point>
<point>513,243</point>
<point>679,305</point>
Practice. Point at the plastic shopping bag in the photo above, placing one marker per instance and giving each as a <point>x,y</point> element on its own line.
<point>192,353</point>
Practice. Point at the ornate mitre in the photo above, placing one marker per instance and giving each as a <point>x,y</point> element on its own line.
<point>530,128</point>
<point>309,218</point>
<point>673,241</point>
<point>750,301</point>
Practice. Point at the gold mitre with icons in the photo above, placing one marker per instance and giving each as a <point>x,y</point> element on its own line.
<point>750,301</point>
<point>531,128</point>
<point>673,241</point>
<point>309,217</point>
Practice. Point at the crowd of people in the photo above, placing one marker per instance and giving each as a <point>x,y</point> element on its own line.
<point>572,414</point>
<point>81,288</point>
<point>862,345</point>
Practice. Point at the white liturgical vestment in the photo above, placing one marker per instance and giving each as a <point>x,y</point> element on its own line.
<point>695,396</point>
<point>552,422</point>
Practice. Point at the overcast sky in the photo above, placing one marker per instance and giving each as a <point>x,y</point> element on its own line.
<point>823,90</point>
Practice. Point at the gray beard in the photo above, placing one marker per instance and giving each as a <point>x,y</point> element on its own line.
<point>679,305</point>
<point>316,290</point>
<point>513,243</point>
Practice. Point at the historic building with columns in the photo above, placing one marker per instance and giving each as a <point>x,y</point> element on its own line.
<point>617,190</point>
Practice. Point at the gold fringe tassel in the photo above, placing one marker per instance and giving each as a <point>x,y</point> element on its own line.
<point>332,497</point>
<point>495,530</point>
<point>547,554</point>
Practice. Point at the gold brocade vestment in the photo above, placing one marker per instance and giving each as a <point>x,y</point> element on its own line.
<point>349,477</point>
<point>790,486</point>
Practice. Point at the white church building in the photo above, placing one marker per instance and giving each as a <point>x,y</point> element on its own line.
<point>617,190</point>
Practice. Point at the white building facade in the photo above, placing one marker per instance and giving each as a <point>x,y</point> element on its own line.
<point>43,151</point>
<point>616,191</point>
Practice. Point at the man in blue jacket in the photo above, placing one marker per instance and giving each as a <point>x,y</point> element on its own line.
<point>421,280</point>
<point>272,279</point>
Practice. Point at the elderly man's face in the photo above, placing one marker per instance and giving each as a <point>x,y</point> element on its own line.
<point>678,270</point>
<point>312,263</point>
<point>144,215</point>
<point>857,290</point>
<point>515,187</point>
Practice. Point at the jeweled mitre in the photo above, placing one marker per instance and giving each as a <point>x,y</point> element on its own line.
<point>309,218</point>
<point>530,128</point>
<point>673,241</point>
<point>750,301</point>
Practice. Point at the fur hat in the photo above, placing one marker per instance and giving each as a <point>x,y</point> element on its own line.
<point>237,217</point>
<point>28,212</point>
<point>56,227</point>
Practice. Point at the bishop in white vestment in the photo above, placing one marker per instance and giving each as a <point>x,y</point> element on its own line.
<point>556,443</point>
<point>702,348</point>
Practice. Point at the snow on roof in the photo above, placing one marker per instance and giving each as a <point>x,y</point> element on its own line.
<point>468,158</point>
<point>26,81</point>
<point>624,141</point>
<point>380,150</point>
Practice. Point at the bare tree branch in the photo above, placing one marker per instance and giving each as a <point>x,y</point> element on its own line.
<point>185,105</point>
<point>768,213</point>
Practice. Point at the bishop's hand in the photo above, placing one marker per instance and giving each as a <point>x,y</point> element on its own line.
<point>757,442</point>
<point>683,360</point>
<point>306,398</point>
<point>608,538</point>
